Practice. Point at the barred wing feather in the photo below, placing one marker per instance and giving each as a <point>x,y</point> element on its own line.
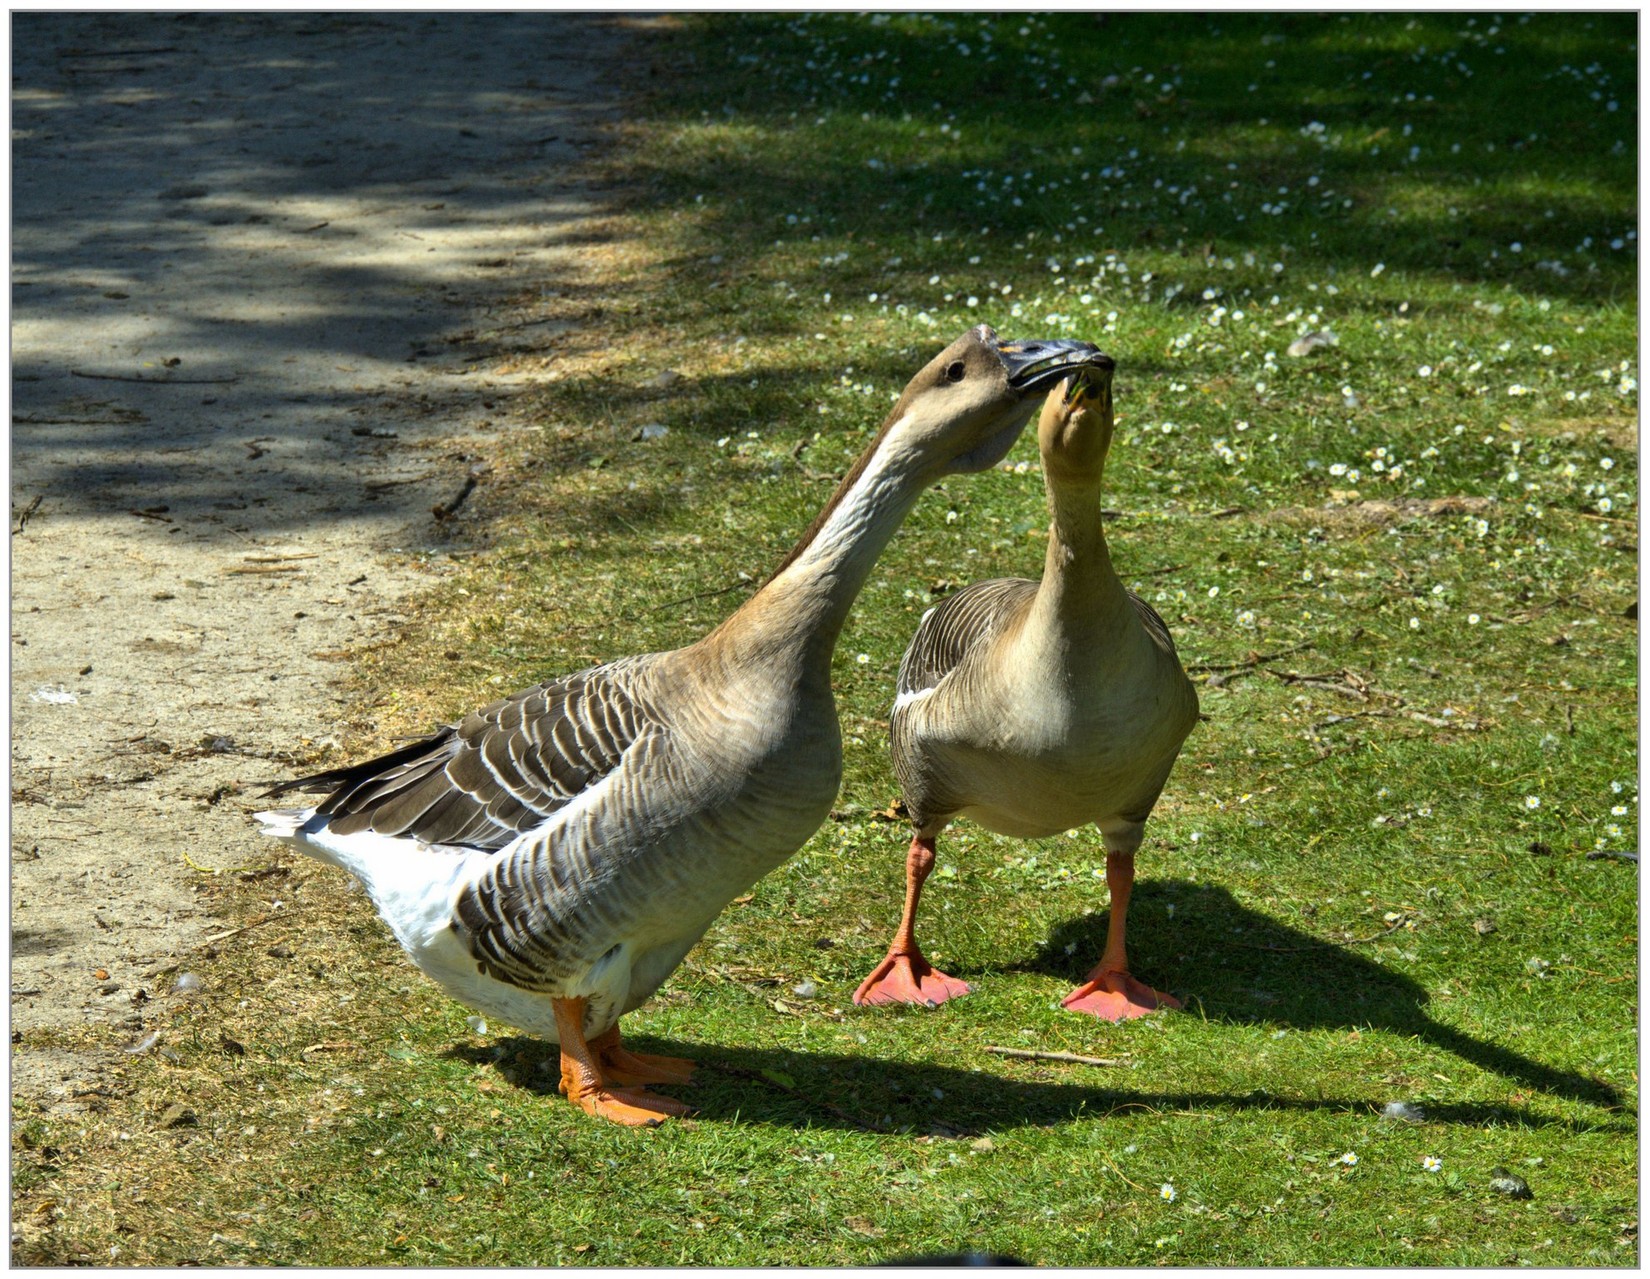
<point>955,625</point>
<point>503,770</point>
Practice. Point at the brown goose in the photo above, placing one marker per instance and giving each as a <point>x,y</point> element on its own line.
<point>551,859</point>
<point>1037,707</point>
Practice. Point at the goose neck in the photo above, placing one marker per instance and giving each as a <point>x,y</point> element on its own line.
<point>806,602</point>
<point>1077,571</point>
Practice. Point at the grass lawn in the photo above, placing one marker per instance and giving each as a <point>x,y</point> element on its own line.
<point>1389,866</point>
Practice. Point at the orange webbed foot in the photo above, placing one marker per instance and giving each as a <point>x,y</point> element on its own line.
<point>1117,996</point>
<point>584,1072</point>
<point>633,1107</point>
<point>908,979</point>
<point>621,1066</point>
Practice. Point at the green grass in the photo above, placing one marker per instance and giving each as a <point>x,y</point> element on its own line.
<point>1380,871</point>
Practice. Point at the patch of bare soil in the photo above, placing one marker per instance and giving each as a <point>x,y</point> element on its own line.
<point>264,267</point>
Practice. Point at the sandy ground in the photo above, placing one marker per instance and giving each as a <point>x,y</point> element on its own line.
<point>260,263</point>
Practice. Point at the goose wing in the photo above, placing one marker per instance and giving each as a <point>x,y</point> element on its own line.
<point>502,770</point>
<point>955,625</point>
<point>1155,626</point>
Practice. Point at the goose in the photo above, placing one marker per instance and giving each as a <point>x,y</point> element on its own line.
<point>550,859</point>
<point>1038,707</point>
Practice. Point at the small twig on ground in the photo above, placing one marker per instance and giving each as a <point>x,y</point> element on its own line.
<point>117,53</point>
<point>796,456</point>
<point>446,510</point>
<point>1341,719</point>
<point>1037,1055</point>
<point>1104,1159</point>
<point>246,928</point>
<point>28,419</point>
<point>1462,725</point>
<point>27,511</point>
<point>1201,668</point>
<point>1552,603</point>
<point>704,595</point>
<point>1348,685</point>
<point>158,381</point>
<point>217,870</point>
<point>1599,854</point>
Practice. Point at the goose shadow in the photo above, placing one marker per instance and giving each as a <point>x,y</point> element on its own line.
<point>1243,967</point>
<point>800,1089</point>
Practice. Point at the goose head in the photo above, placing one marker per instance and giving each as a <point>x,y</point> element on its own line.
<point>1074,429</point>
<point>965,409</point>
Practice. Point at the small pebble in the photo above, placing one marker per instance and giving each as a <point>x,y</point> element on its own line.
<point>178,1115</point>
<point>1510,1184</point>
<point>477,1024</point>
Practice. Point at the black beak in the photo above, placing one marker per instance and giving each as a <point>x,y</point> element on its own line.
<point>1038,364</point>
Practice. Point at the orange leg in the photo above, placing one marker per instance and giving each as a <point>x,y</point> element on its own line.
<point>582,1080</point>
<point>1110,992</point>
<point>904,976</point>
<point>621,1066</point>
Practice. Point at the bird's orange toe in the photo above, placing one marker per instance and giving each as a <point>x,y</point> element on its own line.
<point>1117,996</point>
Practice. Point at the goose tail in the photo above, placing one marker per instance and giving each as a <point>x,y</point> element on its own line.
<point>298,826</point>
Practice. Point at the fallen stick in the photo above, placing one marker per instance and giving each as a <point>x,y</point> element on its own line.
<point>246,928</point>
<point>28,511</point>
<point>1036,1055</point>
<point>158,381</point>
<point>446,510</point>
<point>1200,668</point>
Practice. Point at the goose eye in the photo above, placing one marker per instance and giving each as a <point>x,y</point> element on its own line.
<point>954,371</point>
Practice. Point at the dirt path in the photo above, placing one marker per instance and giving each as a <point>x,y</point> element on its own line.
<point>254,259</point>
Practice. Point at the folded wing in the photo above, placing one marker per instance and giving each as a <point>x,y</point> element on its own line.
<point>504,769</point>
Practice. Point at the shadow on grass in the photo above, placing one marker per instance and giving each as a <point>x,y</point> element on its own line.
<point>1246,968</point>
<point>790,1089</point>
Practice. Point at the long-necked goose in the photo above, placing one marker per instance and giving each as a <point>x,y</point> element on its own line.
<point>551,859</point>
<point>1037,707</point>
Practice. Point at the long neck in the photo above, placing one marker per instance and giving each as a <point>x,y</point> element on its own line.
<point>803,606</point>
<point>1079,583</point>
